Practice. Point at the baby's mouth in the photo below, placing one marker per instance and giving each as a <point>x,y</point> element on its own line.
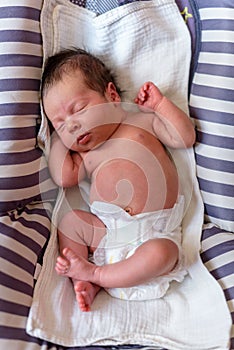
<point>83,139</point>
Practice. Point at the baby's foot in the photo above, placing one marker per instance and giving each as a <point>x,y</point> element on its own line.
<point>85,294</point>
<point>74,266</point>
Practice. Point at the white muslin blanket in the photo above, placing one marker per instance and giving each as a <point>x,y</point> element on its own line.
<point>141,41</point>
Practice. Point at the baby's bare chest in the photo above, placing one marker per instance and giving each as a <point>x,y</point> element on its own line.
<point>140,149</point>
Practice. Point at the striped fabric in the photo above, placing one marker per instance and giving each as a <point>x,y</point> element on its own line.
<point>97,6</point>
<point>212,107</point>
<point>23,171</point>
<point>217,255</point>
<point>124,2</point>
<point>26,192</point>
<point>22,236</point>
<point>103,6</point>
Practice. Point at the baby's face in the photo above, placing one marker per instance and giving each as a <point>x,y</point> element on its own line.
<point>83,118</point>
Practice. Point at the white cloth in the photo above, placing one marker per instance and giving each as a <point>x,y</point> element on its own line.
<point>125,233</point>
<point>141,41</point>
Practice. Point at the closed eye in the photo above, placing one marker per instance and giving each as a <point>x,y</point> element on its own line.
<point>79,111</point>
<point>59,126</point>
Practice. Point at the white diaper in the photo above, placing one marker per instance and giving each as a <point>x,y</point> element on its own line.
<point>125,233</point>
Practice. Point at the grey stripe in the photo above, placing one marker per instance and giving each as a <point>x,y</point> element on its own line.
<point>219,213</point>
<point>229,293</point>
<point>26,181</point>
<point>215,164</point>
<point>14,233</point>
<point>7,206</point>
<point>218,24</point>
<point>14,308</point>
<point>20,60</point>
<point>20,12</point>
<point>213,92</point>
<point>221,189</point>
<point>19,109</point>
<point>20,157</point>
<point>214,3</point>
<point>15,258</point>
<point>218,47</point>
<point>212,116</point>
<point>19,84</point>
<point>215,140</point>
<point>210,232</point>
<point>217,250</point>
<point>16,134</point>
<point>16,284</point>
<point>20,36</point>
<point>224,271</point>
<point>215,69</point>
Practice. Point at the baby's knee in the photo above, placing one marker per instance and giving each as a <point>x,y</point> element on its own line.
<point>66,221</point>
<point>169,253</point>
<point>82,226</point>
<point>74,218</point>
<point>164,251</point>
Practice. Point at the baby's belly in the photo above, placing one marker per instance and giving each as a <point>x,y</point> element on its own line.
<point>135,187</point>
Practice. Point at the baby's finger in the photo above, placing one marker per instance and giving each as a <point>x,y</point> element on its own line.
<point>139,101</point>
<point>142,95</point>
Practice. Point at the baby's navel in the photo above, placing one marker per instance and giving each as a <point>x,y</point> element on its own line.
<point>128,210</point>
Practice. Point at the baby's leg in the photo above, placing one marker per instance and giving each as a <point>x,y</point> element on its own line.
<point>156,257</point>
<point>80,231</point>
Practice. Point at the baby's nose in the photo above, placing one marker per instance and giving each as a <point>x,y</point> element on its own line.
<point>72,124</point>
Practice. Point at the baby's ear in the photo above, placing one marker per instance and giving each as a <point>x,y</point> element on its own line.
<point>111,93</point>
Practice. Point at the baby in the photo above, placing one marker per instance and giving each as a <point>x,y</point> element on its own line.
<point>133,229</point>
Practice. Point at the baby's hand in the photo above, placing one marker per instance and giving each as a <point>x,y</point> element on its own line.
<point>149,96</point>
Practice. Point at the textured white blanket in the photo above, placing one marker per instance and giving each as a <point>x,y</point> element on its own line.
<point>141,41</point>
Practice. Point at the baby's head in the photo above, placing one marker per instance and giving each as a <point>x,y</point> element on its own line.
<point>96,75</point>
<point>80,99</point>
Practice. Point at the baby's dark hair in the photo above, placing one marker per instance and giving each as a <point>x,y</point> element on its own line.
<point>96,74</point>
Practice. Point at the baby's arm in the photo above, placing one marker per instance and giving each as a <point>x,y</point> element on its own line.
<point>171,125</point>
<point>66,168</point>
